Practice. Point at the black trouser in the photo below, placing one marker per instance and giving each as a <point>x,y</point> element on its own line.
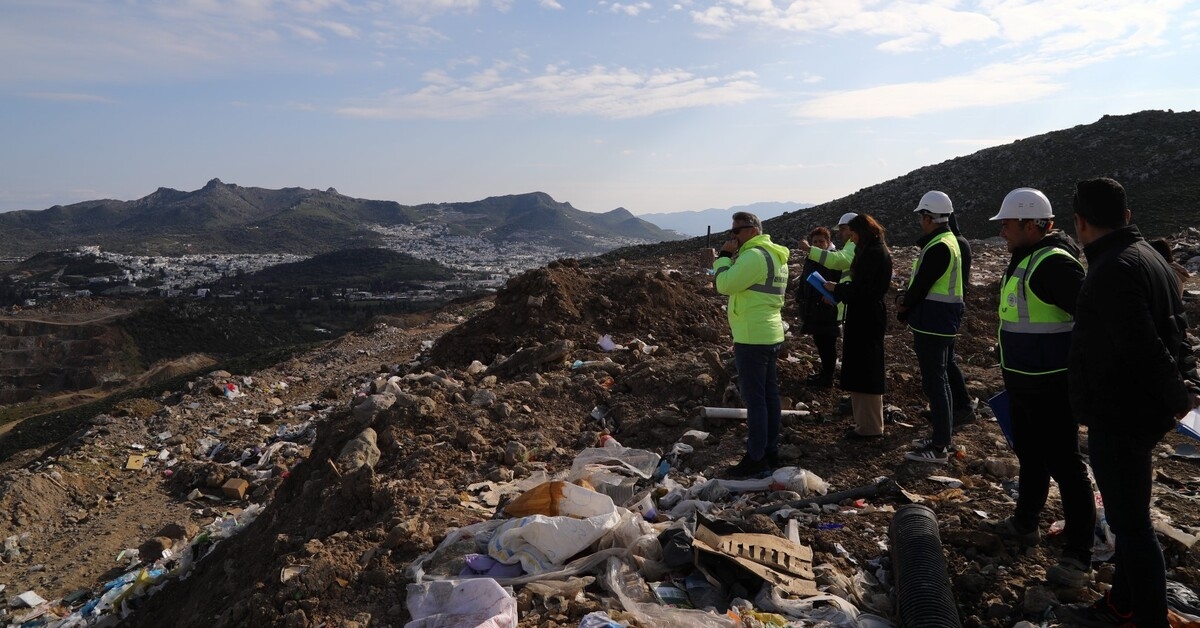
<point>1121,463</point>
<point>826,342</point>
<point>1046,439</point>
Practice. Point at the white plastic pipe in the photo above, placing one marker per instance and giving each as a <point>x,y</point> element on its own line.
<point>740,413</point>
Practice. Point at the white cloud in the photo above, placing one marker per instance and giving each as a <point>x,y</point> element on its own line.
<point>68,97</point>
<point>909,25</point>
<point>550,4</point>
<point>597,91</point>
<point>994,85</point>
<point>338,28</point>
<point>632,9</point>
<point>306,33</point>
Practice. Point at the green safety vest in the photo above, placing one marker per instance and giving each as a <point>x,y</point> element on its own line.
<point>941,311</point>
<point>1035,336</point>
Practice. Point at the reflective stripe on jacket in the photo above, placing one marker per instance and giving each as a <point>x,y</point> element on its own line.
<point>836,260</point>
<point>755,284</point>
<point>1035,337</point>
<point>941,311</point>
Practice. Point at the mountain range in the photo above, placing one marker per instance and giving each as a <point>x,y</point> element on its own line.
<point>228,218</point>
<point>695,223</point>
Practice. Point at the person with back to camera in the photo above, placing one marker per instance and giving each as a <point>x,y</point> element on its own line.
<point>1131,373</point>
<point>1164,249</point>
<point>863,374</point>
<point>1037,307</point>
<point>753,272</point>
<point>933,309</point>
<point>818,317</point>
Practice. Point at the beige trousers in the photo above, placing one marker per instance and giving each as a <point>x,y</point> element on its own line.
<point>868,413</point>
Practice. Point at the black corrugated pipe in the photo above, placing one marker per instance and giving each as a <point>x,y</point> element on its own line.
<point>923,593</point>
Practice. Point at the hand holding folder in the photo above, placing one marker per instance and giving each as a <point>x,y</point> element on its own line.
<point>818,282</point>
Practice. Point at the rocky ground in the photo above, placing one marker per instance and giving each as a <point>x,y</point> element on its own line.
<point>276,505</point>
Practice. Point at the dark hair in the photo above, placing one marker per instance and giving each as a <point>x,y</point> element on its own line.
<point>749,219</point>
<point>1163,248</point>
<point>867,228</point>
<point>1101,202</point>
<point>820,231</point>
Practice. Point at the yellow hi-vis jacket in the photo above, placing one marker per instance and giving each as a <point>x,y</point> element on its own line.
<point>755,285</point>
<point>1035,337</point>
<point>941,312</point>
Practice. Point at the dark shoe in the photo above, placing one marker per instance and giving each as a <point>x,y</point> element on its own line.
<point>773,459</point>
<point>852,434</point>
<point>819,381</point>
<point>1098,613</point>
<point>935,455</point>
<point>922,443</point>
<point>747,468</point>
<point>1070,572</point>
<point>1008,529</point>
<point>965,416</point>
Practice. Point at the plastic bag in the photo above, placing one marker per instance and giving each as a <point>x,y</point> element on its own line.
<point>636,599</point>
<point>479,602</point>
<point>543,542</point>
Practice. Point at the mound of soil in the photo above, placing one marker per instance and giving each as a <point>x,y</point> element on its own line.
<point>338,532</point>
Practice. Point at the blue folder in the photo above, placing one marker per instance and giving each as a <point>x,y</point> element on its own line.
<point>1002,407</point>
<point>818,282</point>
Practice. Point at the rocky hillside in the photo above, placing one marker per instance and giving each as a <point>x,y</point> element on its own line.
<point>1154,154</point>
<point>307,494</point>
<point>228,218</point>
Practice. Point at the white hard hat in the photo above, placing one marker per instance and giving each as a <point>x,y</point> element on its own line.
<point>846,218</point>
<point>1025,204</point>
<point>935,203</point>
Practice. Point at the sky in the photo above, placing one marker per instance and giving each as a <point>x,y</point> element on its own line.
<point>654,106</point>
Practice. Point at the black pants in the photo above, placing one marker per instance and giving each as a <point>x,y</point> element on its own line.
<point>826,342</point>
<point>1122,465</point>
<point>1046,439</point>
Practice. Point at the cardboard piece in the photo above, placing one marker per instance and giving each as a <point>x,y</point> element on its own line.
<point>783,563</point>
<point>135,461</point>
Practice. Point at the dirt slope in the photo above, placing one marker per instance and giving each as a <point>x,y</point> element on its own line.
<point>332,545</point>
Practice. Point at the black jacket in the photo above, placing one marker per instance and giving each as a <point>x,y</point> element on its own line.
<point>816,316</point>
<point>863,368</point>
<point>1130,366</point>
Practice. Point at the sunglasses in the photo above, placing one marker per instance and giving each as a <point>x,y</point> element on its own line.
<point>737,229</point>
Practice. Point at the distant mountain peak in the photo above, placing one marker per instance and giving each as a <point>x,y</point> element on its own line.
<point>213,183</point>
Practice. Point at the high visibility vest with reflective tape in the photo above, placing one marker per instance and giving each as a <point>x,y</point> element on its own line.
<point>940,313</point>
<point>754,309</point>
<point>1035,337</point>
<point>836,260</point>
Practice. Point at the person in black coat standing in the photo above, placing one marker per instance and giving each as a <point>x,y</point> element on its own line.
<point>818,316</point>
<point>866,322</point>
<point>1130,374</point>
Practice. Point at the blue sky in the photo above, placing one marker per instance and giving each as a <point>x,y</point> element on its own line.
<point>648,105</point>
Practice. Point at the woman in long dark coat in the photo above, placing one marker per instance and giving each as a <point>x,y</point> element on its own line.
<point>866,322</point>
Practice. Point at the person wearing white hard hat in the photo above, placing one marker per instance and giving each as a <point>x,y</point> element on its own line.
<point>1037,311</point>
<point>933,308</point>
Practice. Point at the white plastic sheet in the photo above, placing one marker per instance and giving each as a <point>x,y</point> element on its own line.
<point>478,603</point>
<point>543,543</point>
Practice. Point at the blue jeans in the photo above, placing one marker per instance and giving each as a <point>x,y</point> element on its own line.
<point>1122,466</point>
<point>759,387</point>
<point>941,381</point>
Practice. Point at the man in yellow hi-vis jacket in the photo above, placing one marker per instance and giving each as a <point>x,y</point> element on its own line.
<point>753,272</point>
